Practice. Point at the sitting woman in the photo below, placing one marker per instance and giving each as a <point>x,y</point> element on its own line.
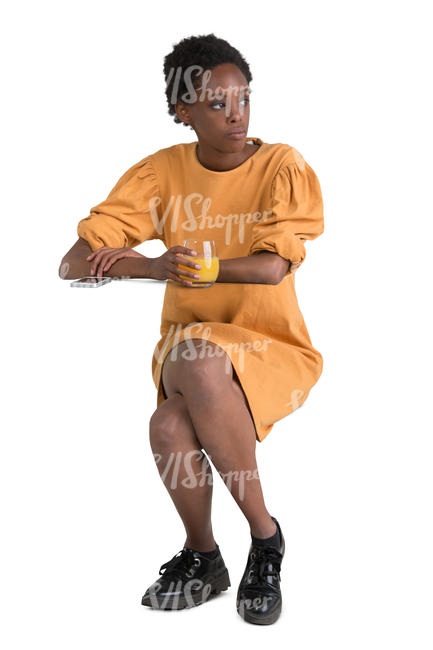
<point>234,357</point>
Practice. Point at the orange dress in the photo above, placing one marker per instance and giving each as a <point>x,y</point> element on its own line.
<point>270,202</point>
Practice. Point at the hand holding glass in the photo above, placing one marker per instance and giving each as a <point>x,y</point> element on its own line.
<point>208,260</point>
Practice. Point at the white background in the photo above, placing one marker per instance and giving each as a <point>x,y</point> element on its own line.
<point>86,519</point>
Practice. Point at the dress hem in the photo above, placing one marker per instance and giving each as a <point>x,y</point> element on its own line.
<point>261,430</point>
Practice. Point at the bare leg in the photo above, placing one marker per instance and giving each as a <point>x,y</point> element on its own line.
<point>223,424</point>
<point>180,458</point>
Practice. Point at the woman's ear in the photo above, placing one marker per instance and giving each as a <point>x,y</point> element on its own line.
<point>183,113</point>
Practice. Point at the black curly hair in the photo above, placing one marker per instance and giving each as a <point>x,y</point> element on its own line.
<point>206,51</point>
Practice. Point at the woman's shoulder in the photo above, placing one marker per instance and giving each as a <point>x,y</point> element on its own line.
<point>155,164</point>
<point>171,153</point>
<point>284,155</point>
<point>168,161</point>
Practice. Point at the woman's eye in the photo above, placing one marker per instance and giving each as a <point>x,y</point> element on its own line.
<point>245,99</point>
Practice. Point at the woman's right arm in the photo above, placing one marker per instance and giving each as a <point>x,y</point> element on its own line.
<point>75,265</point>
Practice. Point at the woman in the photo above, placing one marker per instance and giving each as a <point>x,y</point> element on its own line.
<point>233,358</point>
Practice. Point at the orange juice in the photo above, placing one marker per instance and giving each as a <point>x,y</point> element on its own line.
<point>208,273</point>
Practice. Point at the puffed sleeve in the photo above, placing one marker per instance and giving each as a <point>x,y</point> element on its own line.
<point>297,213</point>
<point>129,215</point>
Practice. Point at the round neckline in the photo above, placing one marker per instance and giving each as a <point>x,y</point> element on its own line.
<point>227,171</point>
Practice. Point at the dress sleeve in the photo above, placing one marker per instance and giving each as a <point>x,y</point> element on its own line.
<point>129,215</point>
<point>297,214</point>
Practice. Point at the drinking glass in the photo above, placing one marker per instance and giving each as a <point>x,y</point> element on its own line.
<point>206,257</point>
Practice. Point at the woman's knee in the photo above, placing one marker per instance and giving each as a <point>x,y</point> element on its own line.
<point>171,427</point>
<point>169,423</point>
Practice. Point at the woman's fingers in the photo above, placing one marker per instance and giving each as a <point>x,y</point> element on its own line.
<point>179,259</point>
<point>184,250</point>
<point>173,276</point>
<point>98,264</point>
<point>110,259</point>
<point>185,262</point>
<point>95,263</point>
<point>98,250</point>
<point>95,257</point>
<point>178,271</point>
<point>104,258</point>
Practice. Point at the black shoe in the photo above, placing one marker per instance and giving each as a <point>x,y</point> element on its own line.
<point>259,596</point>
<point>189,578</point>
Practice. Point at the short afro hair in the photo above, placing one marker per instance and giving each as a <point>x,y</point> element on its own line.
<point>206,51</point>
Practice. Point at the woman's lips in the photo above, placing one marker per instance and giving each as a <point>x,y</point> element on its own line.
<point>236,136</point>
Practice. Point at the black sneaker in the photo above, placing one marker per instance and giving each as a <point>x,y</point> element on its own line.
<point>259,595</point>
<point>189,578</point>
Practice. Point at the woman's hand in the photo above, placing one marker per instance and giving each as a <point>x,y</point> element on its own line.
<point>166,266</point>
<point>104,258</point>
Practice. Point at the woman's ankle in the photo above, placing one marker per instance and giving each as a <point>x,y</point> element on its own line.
<point>263,528</point>
<point>203,546</point>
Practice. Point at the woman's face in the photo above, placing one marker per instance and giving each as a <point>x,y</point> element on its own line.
<point>221,105</point>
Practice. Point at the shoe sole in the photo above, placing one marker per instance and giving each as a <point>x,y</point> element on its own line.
<point>217,585</point>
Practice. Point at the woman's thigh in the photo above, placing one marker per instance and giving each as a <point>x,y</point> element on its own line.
<point>170,375</point>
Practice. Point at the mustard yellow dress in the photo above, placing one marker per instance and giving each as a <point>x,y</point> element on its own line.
<point>271,202</point>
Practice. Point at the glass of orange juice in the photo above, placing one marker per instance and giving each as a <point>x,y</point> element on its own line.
<point>208,260</point>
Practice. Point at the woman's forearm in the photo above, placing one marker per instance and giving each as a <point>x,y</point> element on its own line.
<point>74,265</point>
<point>260,268</point>
<point>127,267</point>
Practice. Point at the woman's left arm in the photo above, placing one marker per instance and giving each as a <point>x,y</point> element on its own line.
<point>263,267</point>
